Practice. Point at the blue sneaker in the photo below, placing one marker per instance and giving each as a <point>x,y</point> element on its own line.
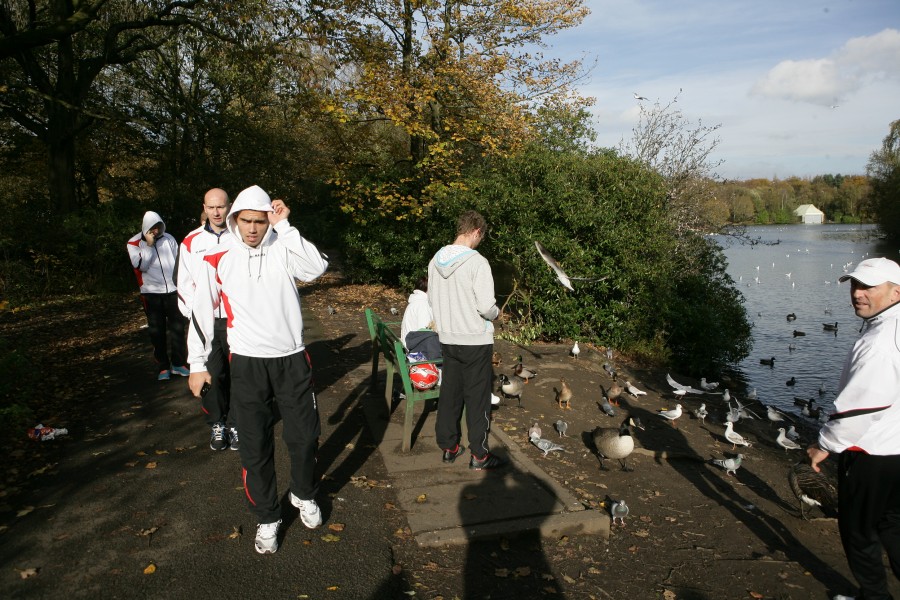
<point>183,371</point>
<point>163,375</point>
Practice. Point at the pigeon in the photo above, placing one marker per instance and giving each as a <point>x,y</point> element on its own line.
<point>769,362</point>
<point>610,370</point>
<point>512,387</point>
<point>681,387</point>
<point>606,407</point>
<point>575,350</point>
<point>731,465</point>
<point>561,427</point>
<point>546,445</point>
<point>564,395</point>
<point>812,489</point>
<point>709,387</point>
<point>394,311</point>
<point>672,414</point>
<point>792,434</point>
<point>633,390</point>
<point>619,510</point>
<point>701,413</point>
<point>560,274</point>
<point>331,310</point>
<point>785,442</point>
<point>534,430</point>
<point>734,437</point>
<point>798,333</point>
<point>791,382</point>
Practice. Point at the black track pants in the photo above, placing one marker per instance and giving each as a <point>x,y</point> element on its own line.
<point>465,381</point>
<point>216,402</point>
<point>166,326</point>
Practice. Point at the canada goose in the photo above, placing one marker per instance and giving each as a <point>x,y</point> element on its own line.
<point>769,362</point>
<point>812,489</point>
<point>616,443</point>
<point>829,326</point>
<point>512,387</point>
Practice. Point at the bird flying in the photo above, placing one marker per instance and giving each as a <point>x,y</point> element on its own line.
<point>560,274</point>
<point>639,97</point>
<point>679,386</point>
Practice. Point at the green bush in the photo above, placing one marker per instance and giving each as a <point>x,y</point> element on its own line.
<point>16,386</point>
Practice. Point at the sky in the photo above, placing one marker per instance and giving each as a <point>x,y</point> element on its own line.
<point>800,88</point>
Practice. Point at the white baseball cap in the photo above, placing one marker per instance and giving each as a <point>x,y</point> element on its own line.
<point>875,271</point>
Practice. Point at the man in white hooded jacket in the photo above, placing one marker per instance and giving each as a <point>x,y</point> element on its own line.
<point>865,431</point>
<point>270,371</point>
<point>153,254</point>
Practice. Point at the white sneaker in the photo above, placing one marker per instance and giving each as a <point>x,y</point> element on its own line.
<point>309,511</point>
<point>843,597</point>
<point>267,537</point>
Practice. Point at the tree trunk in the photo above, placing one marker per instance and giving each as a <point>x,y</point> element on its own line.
<point>61,126</point>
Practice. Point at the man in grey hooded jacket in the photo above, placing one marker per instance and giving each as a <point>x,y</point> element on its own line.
<point>461,292</point>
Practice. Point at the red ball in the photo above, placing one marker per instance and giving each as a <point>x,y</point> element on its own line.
<point>424,376</point>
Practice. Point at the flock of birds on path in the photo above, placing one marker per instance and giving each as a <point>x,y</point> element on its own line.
<point>617,443</point>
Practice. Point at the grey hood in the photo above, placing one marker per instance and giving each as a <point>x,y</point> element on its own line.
<point>449,258</point>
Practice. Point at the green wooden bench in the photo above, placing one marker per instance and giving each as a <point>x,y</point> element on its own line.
<point>386,342</point>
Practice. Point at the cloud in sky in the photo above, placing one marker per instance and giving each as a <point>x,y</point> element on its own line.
<point>825,81</point>
<point>768,71</point>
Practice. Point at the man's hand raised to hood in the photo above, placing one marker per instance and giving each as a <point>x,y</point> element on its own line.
<point>279,213</point>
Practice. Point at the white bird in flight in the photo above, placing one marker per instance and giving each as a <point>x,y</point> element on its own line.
<point>639,97</point>
<point>560,274</point>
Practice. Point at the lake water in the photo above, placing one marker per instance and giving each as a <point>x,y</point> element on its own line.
<point>800,275</point>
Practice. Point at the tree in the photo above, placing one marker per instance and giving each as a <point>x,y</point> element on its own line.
<point>435,85</point>
<point>883,169</point>
<point>666,141</point>
<point>52,53</point>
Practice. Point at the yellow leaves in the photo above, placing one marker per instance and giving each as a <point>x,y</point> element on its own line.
<point>336,527</point>
<point>150,465</point>
<point>236,533</point>
<point>421,498</point>
<point>150,569</point>
<point>330,537</point>
<point>148,532</point>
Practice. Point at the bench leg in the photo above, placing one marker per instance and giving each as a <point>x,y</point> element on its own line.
<point>408,424</point>
<point>389,385</point>
<point>375,354</point>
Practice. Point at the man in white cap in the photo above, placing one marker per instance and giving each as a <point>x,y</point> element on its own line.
<point>254,278</point>
<point>865,431</point>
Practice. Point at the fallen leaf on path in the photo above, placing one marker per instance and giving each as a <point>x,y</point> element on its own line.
<point>501,572</point>
<point>141,453</point>
<point>131,464</point>
<point>234,534</point>
<point>421,498</point>
<point>29,572</point>
<point>332,588</point>
<point>24,511</point>
<point>756,595</point>
<point>330,537</point>
<point>669,595</point>
<point>149,531</point>
<point>150,569</point>
<point>161,452</point>
<point>150,465</point>
<point>523,571</point>
<point>336,526</point>
<point>568,579</point>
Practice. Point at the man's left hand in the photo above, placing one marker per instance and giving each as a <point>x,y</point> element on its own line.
<point>279,213</point>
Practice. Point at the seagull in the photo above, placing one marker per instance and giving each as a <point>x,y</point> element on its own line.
<point>394,311</point>
<point>561,427</point>
<point>616,443</point>
<point>639,97</point>
<point>564,395</point>
<point>733,415</point>
<point>773,414</point>
<point>752,395</point>
<point>609,353</point>
<point>822,389</point>
<point>812,489</point>
<point>534,430</point>
<point>734,437</point>
<point>546,445</point>
<point>606,407</point>
<point>785,442</point>
<point>744,412</point>
<point>619,510</point>
<point>576,350</point>
<point>701,413</point>
<point>560,274</point>
<point>731,465</point>
<point>672,414</point>
<point>681,387</point>
<point>709,387</point>
<point>633,390</point>
<point>512,387</point>
<point>726,395</point>
<point>792,434</point>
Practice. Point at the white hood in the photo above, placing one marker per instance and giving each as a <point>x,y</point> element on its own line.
<point>253,198</point>
<point>150,219</point>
